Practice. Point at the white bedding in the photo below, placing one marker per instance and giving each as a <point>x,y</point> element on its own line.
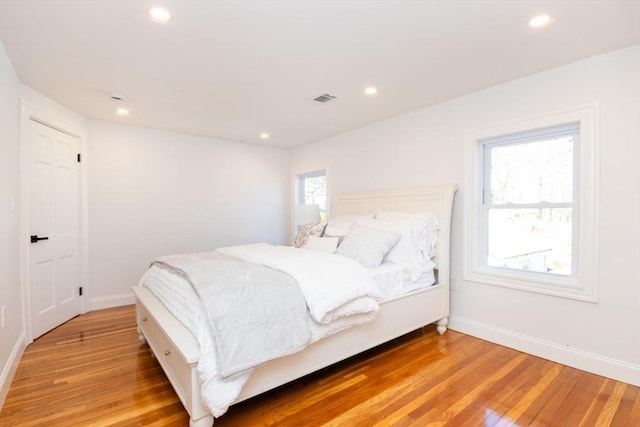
<point>334,286</point>
<point>256,313</point>
<point>392,280</point>
<point>340,291</point>
<point>182,301</point>
<point>388,278</point>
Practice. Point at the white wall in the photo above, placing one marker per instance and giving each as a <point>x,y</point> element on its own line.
<point>12,333</point>
<point>427,147</point>
<point>154,193</point>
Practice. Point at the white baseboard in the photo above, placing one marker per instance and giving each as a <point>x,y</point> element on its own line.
<point>576,358</point>
<point>9,370</point>
<point>111,301</point>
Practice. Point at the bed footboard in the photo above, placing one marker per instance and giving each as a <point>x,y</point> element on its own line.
<point>176,350</point>
<point>397,317</point>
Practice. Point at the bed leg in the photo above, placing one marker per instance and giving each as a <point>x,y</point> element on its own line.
<point>202,422</point>
<point>141,336</point>
<point>442,325</point>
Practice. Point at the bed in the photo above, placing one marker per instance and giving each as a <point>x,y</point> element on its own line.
<point>178,351</point>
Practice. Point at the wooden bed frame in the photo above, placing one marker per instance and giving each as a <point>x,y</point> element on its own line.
<point>178,352</point>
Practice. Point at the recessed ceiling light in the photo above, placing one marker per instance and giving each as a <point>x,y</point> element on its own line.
<point>159,15</point>
<point>264,135</point>
<point>122,112</point>
<point>540,21</point>
<point>371,90</point>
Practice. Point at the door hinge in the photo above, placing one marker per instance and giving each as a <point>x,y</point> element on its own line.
<point>78,157</point>
<point>80,290</point>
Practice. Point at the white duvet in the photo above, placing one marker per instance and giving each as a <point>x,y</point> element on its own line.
<point>340,293</point>
<point>334,286</point>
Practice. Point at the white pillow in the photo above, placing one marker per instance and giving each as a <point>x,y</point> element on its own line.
<point>340,225</point>
<point>427,225</point>
<point>367,245</point>
<point>322,244</point>
<point>408,252</point>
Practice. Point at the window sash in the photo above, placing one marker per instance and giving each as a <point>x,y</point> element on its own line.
<point>484,253</point>
<point>526,137</point>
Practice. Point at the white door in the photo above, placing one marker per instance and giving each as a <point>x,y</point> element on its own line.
<point>54,224</point>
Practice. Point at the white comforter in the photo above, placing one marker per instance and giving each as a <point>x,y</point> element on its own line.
<point>339,289</point>
<point>334,286</point>
<point>256,313</point>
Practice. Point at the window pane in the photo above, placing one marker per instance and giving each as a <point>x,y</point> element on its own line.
<point>530,239</point>
<point>315,192</point>
<point>532,172</point>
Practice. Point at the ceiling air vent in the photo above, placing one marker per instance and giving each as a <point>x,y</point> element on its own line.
<point>325,97</point>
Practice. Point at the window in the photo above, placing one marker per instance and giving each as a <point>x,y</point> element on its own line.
<point>312,189</point>
<point>532,210</point>
<point>529,200</point>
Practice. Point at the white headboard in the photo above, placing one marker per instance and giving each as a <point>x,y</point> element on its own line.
<point>437,200</point>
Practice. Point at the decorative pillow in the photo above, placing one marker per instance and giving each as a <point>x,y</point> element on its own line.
<point>340,225</point>
<point>426,224</point>
<point>367,245</point>
<point>408,252</point>
<point>307,230</point>
<point>322,244</point>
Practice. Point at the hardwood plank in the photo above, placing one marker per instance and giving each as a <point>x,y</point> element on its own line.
<point>634,416</point>
<point>547,410</point>
<point>469,393</point>
<point>612,405</point>
<point>590,418</point>
<point>623,414</point>
<point>578,401</point>
<point>92,371</point>
<point>502,395</point>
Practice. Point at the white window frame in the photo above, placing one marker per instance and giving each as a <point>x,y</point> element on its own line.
<point>300,178</point>
<point>529,137</point>
<point>582,283</point>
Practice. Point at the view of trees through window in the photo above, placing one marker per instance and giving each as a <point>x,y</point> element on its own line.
<point>314,191</point>
<point>529,203</point>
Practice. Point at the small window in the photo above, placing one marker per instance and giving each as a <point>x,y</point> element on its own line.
<point>531,205</point>
<point>312,189</point>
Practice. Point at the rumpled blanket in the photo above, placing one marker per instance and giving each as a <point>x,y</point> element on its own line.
<point>256,313</point>
<point>334,286</point>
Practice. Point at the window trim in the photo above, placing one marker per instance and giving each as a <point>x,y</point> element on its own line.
<point>582,285</point>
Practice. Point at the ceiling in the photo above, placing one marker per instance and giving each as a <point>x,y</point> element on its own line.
<point>235,69</point>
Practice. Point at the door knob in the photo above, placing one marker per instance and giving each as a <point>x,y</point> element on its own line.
<point>36,239</point>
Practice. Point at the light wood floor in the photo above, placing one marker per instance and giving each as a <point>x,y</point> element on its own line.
<point>92,371</point>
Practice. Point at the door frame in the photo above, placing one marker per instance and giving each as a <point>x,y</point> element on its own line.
<point>57,121</point>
